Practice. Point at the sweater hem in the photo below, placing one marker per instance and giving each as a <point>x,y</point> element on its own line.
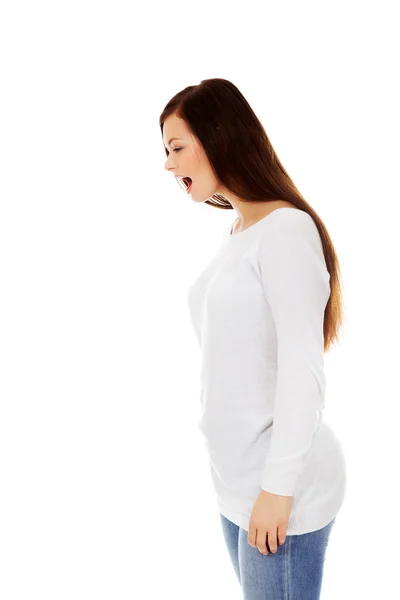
<point>297,524</point>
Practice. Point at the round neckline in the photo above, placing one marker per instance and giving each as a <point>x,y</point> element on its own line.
<point>240,233</point>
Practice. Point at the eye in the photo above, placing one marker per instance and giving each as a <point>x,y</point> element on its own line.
<point>174,150</point>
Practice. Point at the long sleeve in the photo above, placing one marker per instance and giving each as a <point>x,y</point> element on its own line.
<point>295,281</point>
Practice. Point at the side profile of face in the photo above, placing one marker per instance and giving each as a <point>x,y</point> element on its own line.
<point>186,158</point>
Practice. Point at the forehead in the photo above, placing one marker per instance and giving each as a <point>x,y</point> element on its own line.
<point>174,127</point>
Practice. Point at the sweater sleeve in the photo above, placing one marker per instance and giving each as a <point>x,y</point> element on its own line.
<point>295,281</point>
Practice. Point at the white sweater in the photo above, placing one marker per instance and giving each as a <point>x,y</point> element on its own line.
<point>257,311</point>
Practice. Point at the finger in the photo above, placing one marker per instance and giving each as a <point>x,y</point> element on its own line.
<point>281,534</point>
<point>251,537</point>
<point>261,541</point>
<point>272,542</point>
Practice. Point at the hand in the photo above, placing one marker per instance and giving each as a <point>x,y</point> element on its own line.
<point>270,515</point>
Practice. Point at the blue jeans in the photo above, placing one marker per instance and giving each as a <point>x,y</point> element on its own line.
<point>293,572</point>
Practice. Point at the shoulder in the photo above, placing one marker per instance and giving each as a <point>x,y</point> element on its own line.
<point>290,212</point>
<point>290,230</point>
<point>288,218</point>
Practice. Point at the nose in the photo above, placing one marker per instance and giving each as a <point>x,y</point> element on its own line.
<point>166,164</point>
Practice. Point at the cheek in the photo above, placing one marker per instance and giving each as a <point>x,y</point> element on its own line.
<point>191,160</point>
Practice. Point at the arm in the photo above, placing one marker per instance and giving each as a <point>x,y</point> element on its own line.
<point>296,285</point>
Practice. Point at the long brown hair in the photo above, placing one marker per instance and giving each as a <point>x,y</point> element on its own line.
<point>244,161</point>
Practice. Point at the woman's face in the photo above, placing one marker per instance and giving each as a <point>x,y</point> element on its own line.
<point>187,158</point>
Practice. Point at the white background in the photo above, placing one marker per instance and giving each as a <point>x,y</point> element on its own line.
<point>104,485</point>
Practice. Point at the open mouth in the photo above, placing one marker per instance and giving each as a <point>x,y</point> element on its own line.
<point>187,183</point>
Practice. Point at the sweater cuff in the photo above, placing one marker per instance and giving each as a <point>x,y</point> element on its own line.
<point>280,475</point>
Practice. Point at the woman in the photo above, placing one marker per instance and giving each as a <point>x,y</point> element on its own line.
<point>264,311</point>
